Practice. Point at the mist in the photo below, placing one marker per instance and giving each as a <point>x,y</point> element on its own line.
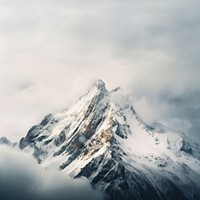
<point>51,51</point>
<point>22,178</point>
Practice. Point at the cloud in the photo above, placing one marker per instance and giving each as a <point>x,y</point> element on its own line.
<point>52,50</point>
<point>22,178</point>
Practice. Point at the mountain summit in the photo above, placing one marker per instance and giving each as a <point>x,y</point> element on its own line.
<point>102,138</point>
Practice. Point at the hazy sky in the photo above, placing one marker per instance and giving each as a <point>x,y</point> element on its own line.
<point>51,50</point>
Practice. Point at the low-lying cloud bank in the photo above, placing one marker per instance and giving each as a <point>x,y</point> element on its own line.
<point>22,178</point>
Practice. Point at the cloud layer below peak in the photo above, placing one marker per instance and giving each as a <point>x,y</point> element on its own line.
<point>22,178</point>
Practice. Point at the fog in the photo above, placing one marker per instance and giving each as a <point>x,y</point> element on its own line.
<point>22,178</point>
<point>51,51</point>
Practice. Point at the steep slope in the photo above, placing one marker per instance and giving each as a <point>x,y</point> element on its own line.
<point>102,138</point>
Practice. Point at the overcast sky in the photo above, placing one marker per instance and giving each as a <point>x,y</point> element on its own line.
<point>51,50</point>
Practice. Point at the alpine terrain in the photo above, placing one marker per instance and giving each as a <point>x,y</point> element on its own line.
<point>102,138</point>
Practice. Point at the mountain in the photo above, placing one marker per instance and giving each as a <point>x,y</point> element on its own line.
<point>7,142</point>
<point>102,138</point>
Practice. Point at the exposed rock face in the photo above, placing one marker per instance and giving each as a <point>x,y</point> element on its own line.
<point>6,141</point>
<point>102,138</point>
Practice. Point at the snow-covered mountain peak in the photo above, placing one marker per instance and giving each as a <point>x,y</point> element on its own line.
<point>98,86</point>
<point>98,92</point>
<point>102,138</point>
